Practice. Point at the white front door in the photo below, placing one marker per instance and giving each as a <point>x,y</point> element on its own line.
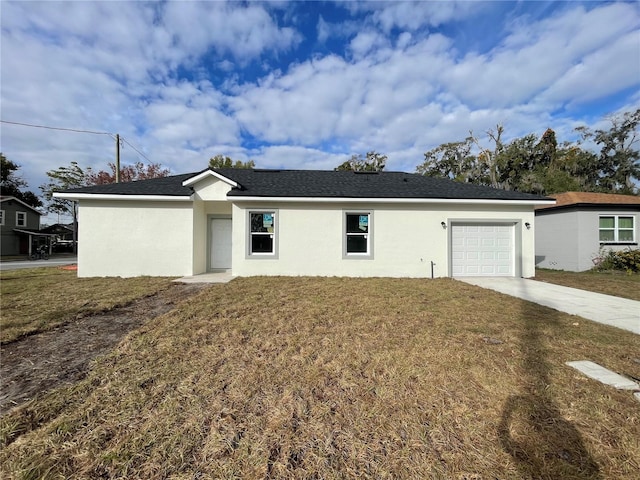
<point>220,235</point>
<point>478,250</point>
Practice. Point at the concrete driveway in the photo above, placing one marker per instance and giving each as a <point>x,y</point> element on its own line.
<point>615,311</point>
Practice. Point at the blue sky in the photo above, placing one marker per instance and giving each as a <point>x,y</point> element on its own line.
<point>303,84</point>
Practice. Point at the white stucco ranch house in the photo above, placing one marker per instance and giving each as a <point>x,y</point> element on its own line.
<point>304,222</point>
<point>581,226</point>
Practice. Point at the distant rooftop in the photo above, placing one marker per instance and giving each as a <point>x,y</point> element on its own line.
<point>567,199</point>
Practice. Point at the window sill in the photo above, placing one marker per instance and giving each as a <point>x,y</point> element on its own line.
<point>357,256</point>
<point>621,244</point>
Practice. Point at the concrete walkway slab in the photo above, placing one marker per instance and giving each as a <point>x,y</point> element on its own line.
<point>603,375</point>
<point>214,277</point>
<point>617,312</point>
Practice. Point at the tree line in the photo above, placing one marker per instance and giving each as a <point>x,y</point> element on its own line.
<point>543,165</point>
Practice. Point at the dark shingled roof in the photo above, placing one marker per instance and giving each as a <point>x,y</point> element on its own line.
<point>347,184</point>
<point>171,186</point>
<point>320,184</point>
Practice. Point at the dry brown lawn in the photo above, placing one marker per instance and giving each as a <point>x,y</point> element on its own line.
<point>39,299</point>
<point>332,378</point>
<point>619,284</point>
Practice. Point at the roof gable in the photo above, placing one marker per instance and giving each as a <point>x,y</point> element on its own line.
<point>33,209</point>
<point>208,174</point>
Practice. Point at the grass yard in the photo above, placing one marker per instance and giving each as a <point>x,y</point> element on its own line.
<point>40,299</point>
<point>332,378</point>
<point>619,284</point>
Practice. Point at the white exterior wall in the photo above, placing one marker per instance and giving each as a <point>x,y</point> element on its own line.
<point>570,239</point>
<point>557,240</point>
<point>406,239</point>
<point>121,238</point>
<point>210,199</point>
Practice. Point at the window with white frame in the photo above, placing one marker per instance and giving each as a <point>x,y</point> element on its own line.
<point>262,233</point>
<point>617,229</point>
<point>21,219</point>
<point>1,217</point>
<point>357,231</point>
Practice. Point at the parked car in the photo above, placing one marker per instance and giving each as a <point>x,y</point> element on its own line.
<point>63,246</point>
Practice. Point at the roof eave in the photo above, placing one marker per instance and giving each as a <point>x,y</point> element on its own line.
<point>589,206</point>
<point>117,196</point>
<point>476,201</point>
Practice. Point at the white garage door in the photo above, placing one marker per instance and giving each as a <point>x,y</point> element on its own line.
<point>478,250</point>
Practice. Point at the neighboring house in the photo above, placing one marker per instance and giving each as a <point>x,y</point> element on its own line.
<point>63,236</point>
<point>294,222</point>
<point>19,226</point>
<point>60,230</point>
<point>573,233</point>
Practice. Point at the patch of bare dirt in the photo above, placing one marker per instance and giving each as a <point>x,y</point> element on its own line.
<point>44,361</point>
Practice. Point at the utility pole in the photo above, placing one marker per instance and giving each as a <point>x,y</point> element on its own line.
<point>117,158</point>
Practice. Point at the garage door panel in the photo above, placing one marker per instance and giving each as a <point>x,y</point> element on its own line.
<point>482,250</point>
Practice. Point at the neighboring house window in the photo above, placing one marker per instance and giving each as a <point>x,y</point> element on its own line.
<point>21,219</point>
<point>1,217</point>
<point>357,231</point>
<point>262,233</point>
<point>617,229</point>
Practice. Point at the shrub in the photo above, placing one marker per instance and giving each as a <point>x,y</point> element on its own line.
<point>626,260</point>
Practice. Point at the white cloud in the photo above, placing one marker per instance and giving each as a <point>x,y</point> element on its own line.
<point>299,158</point>
<point>323,29</point>
<point>545,52</point>
<point>245,32</point>
<point>414,15</point>
<point>365,42</point>
<point>615,67</point>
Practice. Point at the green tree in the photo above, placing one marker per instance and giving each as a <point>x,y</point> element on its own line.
<point>519,168</point>
<point>455,161</point>
<point>542,165</point>
<point>220,161</point>
<point>619,158</point>
<point>12,184</point>
<point>64,178</point>
<point>373,162</point>
<point>572,170</point>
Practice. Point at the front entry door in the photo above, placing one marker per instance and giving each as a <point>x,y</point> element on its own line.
<point>220,234</point>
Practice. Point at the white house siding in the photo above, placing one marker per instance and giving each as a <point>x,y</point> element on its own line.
<point>211,189</point>
<point>132,238</point>
<point>210,199</point>
<point>570,239</point>
<point>406,239</point>
<point>557,240</point>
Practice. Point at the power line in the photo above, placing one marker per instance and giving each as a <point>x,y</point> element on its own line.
<point>112,135</point>
<point>55,128</point>
<point>139,152</point>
